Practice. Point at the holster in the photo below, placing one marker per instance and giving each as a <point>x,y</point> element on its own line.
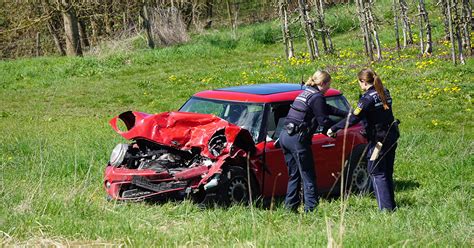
<point>303,135</point>
<point>291,128</point>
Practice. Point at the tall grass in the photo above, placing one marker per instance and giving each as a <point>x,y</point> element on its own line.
<point>56,141</point>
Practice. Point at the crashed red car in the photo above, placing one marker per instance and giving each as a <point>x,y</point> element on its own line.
<point>222,145</point>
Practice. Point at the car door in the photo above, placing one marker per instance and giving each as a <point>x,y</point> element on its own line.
<point>276,177</point>
<point>329,151</point>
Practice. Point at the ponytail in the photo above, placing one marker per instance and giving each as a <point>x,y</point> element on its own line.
<point>370,77</point>
<point>379,88</point>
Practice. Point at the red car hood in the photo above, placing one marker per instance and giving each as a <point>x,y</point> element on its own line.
<point>182,130</point>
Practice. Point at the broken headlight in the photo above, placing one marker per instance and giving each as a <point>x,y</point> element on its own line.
<point>118,154</point>
<point>217,143</point>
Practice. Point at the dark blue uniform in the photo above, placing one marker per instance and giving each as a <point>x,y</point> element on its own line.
<point>308,111</point>
<point>380,126</point>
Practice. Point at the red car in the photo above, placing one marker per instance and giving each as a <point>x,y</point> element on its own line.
<point>221,145</point>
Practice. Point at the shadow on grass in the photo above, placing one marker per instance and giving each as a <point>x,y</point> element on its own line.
<point>266,203</point>
<point>405,185</point>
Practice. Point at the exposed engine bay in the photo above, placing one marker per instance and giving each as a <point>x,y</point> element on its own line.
<point>143,154</point>
<point>173,153</point>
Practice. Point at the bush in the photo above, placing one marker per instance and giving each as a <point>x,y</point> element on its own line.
<point>265,35</point>
<point>342,19</point>
<point>222,42</point>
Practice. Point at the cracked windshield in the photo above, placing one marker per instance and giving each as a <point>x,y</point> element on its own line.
<point>245,115</point>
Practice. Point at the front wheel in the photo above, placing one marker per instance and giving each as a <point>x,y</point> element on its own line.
<point>234,188</point>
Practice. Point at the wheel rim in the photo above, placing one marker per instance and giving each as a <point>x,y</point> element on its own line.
<point>237,190</point>
<point>360,177</point>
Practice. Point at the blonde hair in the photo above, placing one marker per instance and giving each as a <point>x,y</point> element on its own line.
<point>318,78</point>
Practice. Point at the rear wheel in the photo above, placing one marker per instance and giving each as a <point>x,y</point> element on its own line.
<point>357,175</point>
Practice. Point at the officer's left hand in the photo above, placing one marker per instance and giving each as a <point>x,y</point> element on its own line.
<point>330,133</point>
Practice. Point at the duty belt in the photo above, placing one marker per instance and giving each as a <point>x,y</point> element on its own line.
<point>301,130</point>
<point>292,128</point>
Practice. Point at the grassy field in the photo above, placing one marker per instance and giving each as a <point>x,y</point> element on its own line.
<point>55,142</point>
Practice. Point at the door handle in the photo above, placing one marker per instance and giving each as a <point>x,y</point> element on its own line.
<point>328,145</point>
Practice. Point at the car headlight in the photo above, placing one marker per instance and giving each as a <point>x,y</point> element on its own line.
<point>118,154</point>
<point>217,144</point>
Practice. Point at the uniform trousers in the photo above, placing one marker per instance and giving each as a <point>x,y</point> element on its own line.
<point>381,174</point>
<point>299,159</point>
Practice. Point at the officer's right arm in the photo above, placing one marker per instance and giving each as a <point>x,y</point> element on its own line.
<point>319,107</point>
<point>357,115</point>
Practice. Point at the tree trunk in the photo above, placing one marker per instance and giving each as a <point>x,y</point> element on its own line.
<point>444,6</point>
<point>373,29</point>
<point>108,22</point>
<point>285,29</point>
<point>147,26</point>
<point>426,19</point>
<point>209,14</point>
<point>38,44</point>
<point>318,6</point>
<point>451,32</point>
<point>95,31</point>
<point>467,21</point>
<point>83,34</point>
<point>311,41</point>
<point>56,39</point>
<point>232,15</point>
<point>407,34</point>
<point>457,30</point>
<point>325,36</point>
<point>365,29</point>
<point>73,43</point>
<point>395,23</point>
<point>422,32</point>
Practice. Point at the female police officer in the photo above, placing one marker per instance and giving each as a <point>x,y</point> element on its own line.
<point>307,112</point>
<point>375,109</point>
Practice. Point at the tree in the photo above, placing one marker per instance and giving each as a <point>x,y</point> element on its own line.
<point>308,28</point>
<point>146,24</point>
<point>373,28</point>
<point>395,23</point>
<point>451,32</point>
<point>53,24</point>
<point>233,14</point>
<point>362,13</point>
<point>455,27</point>
<point>467,21</point>
<point>71,31</point>
<point>285,29</point>
<point>209,13</point>
<point>424,25</point>
<point>323,29</point>
<point>406,27</point>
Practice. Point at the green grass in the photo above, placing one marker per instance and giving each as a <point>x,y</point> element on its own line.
<point>55,142</point>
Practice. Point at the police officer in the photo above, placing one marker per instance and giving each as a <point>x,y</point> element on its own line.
<point>375,111</point>
<point>307,112</point>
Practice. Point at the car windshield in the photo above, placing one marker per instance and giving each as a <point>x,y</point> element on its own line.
<point>246,115</point>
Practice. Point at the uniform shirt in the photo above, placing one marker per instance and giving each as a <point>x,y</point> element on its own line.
<point>311,108</point>
<point>370,108</point>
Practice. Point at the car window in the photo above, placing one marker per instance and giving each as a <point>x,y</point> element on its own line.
<point>276,118</point>
<point>246,115</point>
<point>279,111</point>
<point>204,107</point>
<point>339,102</point>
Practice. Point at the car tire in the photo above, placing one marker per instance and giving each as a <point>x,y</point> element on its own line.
<point>357,176</point>
<point>234,188</point>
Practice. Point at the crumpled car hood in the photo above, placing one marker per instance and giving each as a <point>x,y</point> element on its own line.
<point>182,130</point>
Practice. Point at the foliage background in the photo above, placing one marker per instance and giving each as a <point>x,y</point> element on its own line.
<point>56,141</point>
